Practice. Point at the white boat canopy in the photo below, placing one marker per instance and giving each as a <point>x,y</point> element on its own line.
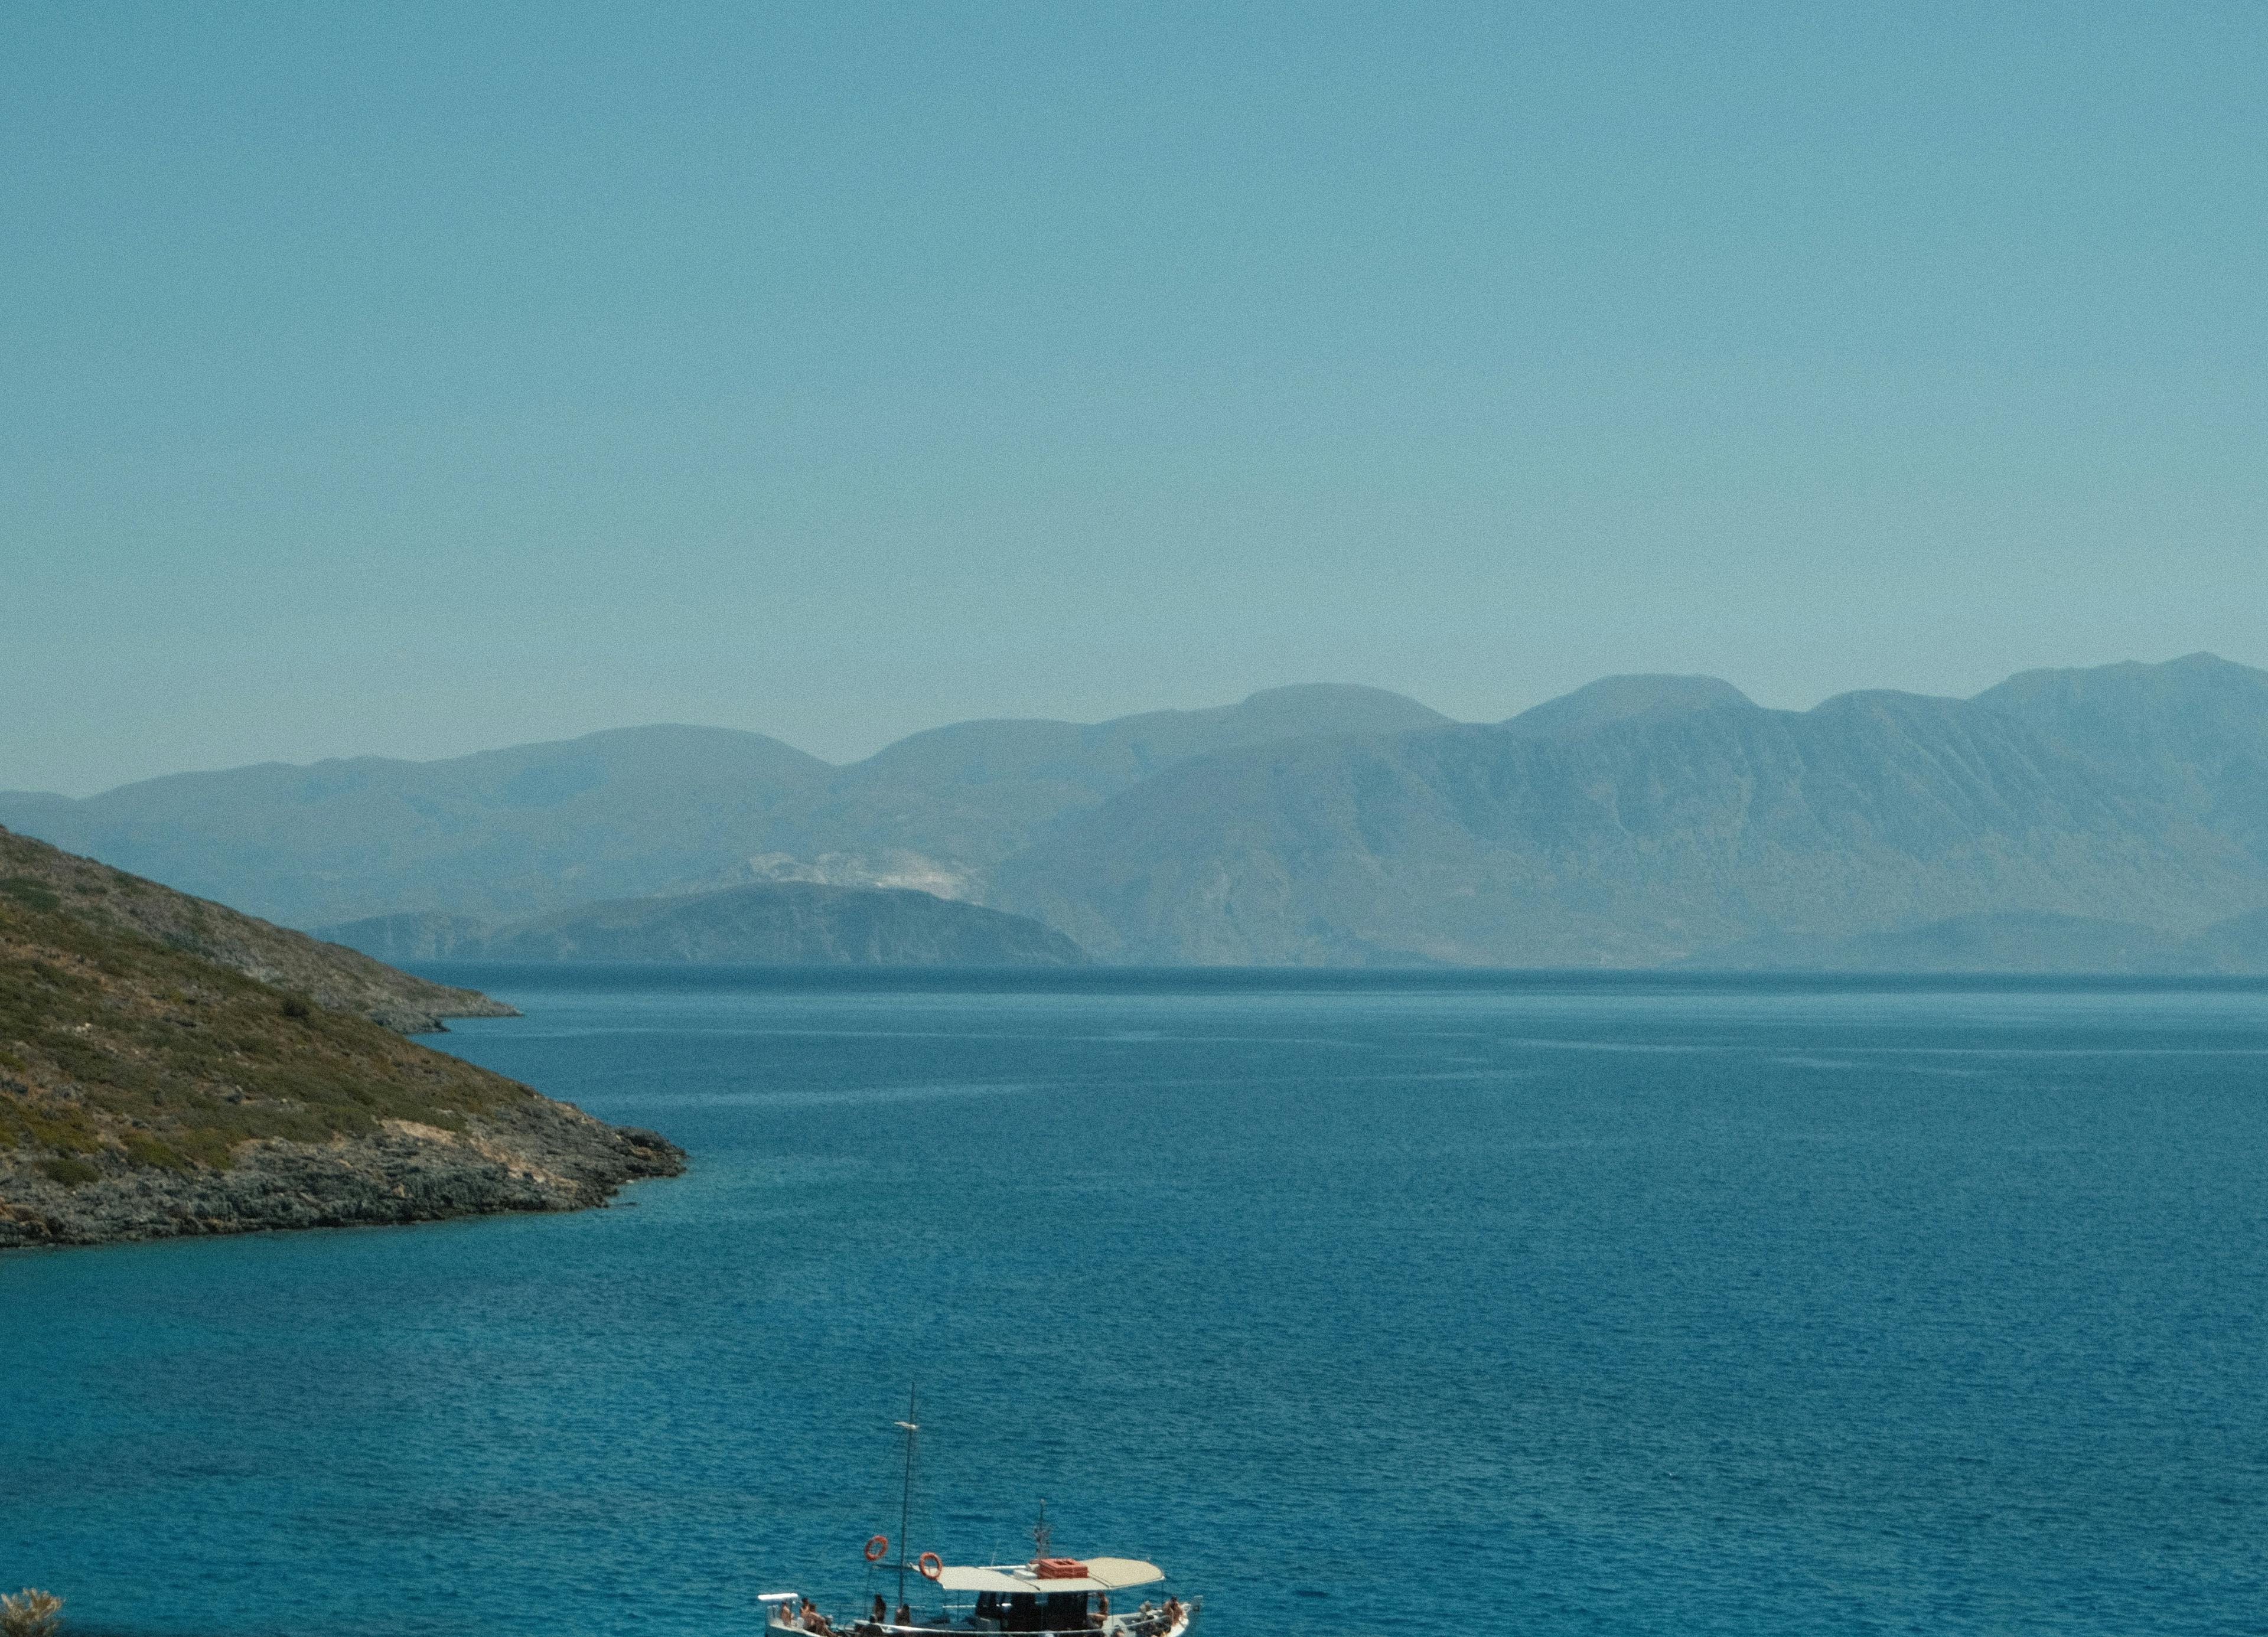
<point>1102,1575</point>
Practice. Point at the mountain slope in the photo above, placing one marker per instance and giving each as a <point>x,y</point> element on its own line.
<point>41,877</point>
<point>2006,941</point>
<point>780,924</point>
<point>146,1090</point>
<point>970,795</point>
<point>1640,841</point>
<point>2239,944</point>
<point>1623,699</point>
<point>2190,735</point>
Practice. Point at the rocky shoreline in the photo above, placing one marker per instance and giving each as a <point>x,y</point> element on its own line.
<point>535,1155</point>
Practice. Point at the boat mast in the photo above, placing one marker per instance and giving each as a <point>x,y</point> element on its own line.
<point>912,1428</point>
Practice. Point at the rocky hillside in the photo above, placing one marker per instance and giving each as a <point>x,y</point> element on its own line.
<point>41,877</point>
<point>775,924</point>
<point>146,1090</point>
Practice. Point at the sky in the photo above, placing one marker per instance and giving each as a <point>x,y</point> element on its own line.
<point>412,380</point>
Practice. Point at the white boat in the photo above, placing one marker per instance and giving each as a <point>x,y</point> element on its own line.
<point>1076,1597</point>
<point>1047,1596</point>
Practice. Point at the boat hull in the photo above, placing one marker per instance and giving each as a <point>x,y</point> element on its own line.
<point>1116,1625</point>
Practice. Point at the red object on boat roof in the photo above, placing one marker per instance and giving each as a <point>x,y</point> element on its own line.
<point>1059,1568</point>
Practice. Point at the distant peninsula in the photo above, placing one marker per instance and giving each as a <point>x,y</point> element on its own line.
<point>775,923</point>
<point>169,1067</point>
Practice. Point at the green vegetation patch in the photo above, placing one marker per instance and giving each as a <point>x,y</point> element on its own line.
<point>69,1172</point>
<point>33,893</point>
<point>142,1148</point>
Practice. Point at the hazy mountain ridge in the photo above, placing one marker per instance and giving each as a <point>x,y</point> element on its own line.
<point>962,798</point>
<point>623,811</point>
<point>638,811</point>
<point>1638,822</point>
<point>781,924</point>
<point>1641,840</point>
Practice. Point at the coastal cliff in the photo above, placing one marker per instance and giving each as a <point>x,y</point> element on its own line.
<point>150,1090</point>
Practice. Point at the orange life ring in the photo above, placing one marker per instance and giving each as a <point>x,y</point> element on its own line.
<point>931,1566</point>
<point>875,1547</point>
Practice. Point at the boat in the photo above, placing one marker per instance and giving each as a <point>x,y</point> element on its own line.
<point>1048,1596</point>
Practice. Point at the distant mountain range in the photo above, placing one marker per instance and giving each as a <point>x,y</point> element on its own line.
<point>2117,815</point>
<point>788,924</point>
<point>514,833</point>
<point>1650,820</point>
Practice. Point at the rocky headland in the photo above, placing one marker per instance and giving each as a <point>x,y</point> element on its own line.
<point>168,1067</point>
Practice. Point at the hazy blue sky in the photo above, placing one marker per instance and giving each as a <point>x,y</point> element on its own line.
<point>419,379</point>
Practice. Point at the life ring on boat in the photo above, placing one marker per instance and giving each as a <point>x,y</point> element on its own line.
<point>875,1547</point>
<point>930,1565</point>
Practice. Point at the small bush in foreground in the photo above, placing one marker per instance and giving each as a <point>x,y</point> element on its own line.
<point>29,1613</point>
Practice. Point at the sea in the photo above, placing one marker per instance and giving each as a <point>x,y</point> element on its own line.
<point>1494,1303</point>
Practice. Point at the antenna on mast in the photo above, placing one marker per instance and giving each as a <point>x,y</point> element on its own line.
<point>1041,1533</point>
<point>912,1429</point>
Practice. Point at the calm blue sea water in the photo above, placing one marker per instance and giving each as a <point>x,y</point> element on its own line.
<point>1554,1307</point>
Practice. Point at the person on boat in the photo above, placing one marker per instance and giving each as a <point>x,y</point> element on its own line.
<point>812,1620</point>
<point>1172,1612</point>
<point>905,1613</point>
<point>881,1616</point>
<point>1100,1618</point>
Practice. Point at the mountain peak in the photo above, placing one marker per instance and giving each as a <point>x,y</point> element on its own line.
<point>1342,693</point>
<point>1620,698</point>
<point>1305,709</point>
<point>2196,673</point>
